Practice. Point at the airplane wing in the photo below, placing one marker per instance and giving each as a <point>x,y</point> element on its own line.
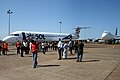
<point>117,38</point>
<point>72,39</point>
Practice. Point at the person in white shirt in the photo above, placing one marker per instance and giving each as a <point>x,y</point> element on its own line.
<point>70,46</point>
<point>43,47</point>
<point>26,45</point>
<point>30,46</point>
<point>65,50</point>
<point>60,49</point>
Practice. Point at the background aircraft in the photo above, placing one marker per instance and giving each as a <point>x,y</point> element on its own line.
<point>41,36</point>
<point>110,38</point>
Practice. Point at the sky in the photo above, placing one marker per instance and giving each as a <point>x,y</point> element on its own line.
<point>45,15</point>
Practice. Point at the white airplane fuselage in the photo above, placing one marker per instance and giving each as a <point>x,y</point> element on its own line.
<point>108,36</point>
<point>38,36</point>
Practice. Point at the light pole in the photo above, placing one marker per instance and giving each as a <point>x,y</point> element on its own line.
<point>9,12</point>
<point>60,26</point>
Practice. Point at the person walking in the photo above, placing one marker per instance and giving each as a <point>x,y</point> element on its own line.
<point>18,45</point>
<point>34,49</point>
<point>80,51</point>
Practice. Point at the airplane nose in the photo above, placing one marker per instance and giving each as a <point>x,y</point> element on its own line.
<point>103,35</point>
<point>107,36</point>
<point>10,39</point>
<point>7,39</point>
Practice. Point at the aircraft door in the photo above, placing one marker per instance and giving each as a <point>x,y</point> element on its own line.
<point>23,36</point>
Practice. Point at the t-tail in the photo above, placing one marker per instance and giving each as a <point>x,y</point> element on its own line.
<point>75,35</point>
<point>77,30</point>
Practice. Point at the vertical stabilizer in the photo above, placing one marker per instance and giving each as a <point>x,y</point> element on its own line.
<point>77,31</point>
<point>116,31</point>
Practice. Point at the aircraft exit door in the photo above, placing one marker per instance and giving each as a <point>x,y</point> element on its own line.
<point>23,36</point>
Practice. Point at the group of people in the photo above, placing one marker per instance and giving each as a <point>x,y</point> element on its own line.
<point>27,46</point>
<point>33,46</point>
<point>63,49</point>
<point>23,47</point>
<point>3,48</point>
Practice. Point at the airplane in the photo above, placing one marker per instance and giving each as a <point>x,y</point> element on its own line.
<point>41,36</point>
<point>109,38</point>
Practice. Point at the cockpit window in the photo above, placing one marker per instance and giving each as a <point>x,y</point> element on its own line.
<point>105,32</point>
<point>15,34</point>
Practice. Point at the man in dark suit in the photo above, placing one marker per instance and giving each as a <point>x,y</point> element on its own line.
<point>80,51</point>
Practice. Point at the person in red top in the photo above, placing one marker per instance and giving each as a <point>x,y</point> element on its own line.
<point>18,44</point>
<point>34,50</point>
<point>4,48</point>
<point>0,47</point>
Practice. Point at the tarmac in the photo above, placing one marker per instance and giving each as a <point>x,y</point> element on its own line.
<point>100,62</point>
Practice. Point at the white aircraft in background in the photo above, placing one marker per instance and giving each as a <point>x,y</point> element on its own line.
<point>41,36</point>
<point>109,38</point>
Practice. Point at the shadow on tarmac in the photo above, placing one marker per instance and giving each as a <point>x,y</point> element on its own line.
<point>10,54</point>
<point>91,61</point>
<point>71,58</point>
<point>47,66</point>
